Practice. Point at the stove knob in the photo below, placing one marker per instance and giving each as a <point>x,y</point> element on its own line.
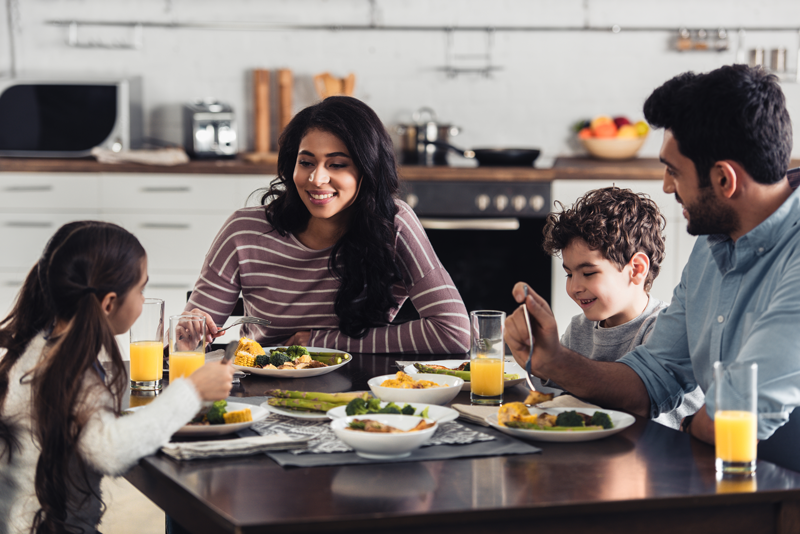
<point>412,200</point>
<point>482,201</point>
<point>537,202</point>
<point>500,202</point>
<point>519,202</point>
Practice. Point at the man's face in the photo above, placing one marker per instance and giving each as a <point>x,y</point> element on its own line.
<point>703,209</point>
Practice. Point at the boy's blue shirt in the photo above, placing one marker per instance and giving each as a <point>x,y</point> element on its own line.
<point>735,302</point>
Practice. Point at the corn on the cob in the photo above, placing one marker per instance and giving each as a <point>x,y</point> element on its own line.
<point>250,346</point>
<point>242,416</point>
<point>244,359</point>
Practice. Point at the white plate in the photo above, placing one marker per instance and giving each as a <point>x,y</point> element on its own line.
<point>219,430</point>
<point>440,414</point>
<point>621,421</point>
<point>511,367</point>
<point>297,414</point>
<point>297,373</point>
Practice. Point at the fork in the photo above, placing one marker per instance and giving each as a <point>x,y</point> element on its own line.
<point>244,320</point>
<point>530,340</point>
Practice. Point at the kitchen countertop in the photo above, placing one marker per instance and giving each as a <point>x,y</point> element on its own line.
<point>563,168</point>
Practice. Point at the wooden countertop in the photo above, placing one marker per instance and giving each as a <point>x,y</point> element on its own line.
<point>564,168</point>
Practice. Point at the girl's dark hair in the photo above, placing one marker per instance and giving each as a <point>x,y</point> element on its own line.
<point>617,222</point>
<point>363,260</point>
<point>81,264</point>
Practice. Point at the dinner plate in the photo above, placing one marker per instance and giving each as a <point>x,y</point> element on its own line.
<point>620,420</point>
<point>297,373</point>
<point>219,430</point>
<point>511,367</point>
<point>297,414</point>
<point>440,414</point>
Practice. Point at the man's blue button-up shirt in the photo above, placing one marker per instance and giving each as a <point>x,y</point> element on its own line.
<point>735,301</point>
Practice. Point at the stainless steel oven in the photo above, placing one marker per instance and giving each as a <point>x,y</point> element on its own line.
<point>488,235</point>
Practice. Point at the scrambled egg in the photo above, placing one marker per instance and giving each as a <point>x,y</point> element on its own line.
<point>404,381</point>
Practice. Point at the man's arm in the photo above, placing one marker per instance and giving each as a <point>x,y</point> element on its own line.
<point>609,384</point>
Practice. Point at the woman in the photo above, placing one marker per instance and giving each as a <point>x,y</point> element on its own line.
<point>333,254</point>
<point>60,424</point>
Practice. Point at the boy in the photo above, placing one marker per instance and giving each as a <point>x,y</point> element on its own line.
<point>612,248</point>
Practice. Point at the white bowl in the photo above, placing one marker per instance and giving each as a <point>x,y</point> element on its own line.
<point>613,148</point>
<point>377,445</point>
<point>441,395</point>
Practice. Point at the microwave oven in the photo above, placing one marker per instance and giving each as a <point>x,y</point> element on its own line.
<point>68,118</point>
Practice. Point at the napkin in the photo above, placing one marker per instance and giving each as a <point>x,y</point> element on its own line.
<point>478,414</point>
<point>194,450</point>
<point>161,156</point>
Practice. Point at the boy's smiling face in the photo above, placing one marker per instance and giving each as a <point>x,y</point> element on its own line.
<point>603,292</point>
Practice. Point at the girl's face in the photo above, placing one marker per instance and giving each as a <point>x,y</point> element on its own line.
<point>128,308</point>
<point>325,176</point>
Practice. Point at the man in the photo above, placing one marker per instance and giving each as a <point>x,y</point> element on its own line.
<point>727,145</point>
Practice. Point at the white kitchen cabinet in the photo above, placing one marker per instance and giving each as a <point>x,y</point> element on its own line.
<point>167,193</point>
<point>45,192</point>
<point>678,243</point>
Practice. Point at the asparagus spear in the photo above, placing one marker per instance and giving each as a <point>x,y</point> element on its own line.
<point>464,375</point>
<point>304,404</point>
<point>336,398</point>
<point>534,426</point>
<point>318,354</point>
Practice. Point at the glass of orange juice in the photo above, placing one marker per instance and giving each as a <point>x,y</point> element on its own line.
<point>736,416</point>
<point>187,344</point>
<point>487,351</point>
<point>147,347</point>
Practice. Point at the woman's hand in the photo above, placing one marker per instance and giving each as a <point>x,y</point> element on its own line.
<point>213,380</point>
<point>300,338</point>
<point>211,327</point>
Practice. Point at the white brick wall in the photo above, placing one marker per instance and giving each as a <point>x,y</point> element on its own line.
<point>549,79</point>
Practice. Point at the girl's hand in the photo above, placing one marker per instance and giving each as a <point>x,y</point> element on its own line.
<point>211,328</point>
<point>300,338</point>
<point>213,380</point>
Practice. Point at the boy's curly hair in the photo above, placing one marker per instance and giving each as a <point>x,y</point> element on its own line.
<point>617,222</point>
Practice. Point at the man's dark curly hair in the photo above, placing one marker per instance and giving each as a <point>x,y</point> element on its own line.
<point>735,113</point>
<point>617,222</point>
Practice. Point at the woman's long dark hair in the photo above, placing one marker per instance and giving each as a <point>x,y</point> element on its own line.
<point>363,260</point>
<point>82,263</point>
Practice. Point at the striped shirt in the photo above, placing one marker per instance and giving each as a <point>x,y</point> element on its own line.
<point>284,281</point>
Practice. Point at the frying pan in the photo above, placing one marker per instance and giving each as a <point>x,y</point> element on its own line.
<point>496,157</point>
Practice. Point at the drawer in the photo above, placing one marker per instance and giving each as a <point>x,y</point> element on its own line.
<point>27,191</point>
<point>174,242</point>
<point>159,192</point>
<point>251,189</point>
<point>10,284</point>
<point>172,289</point>
<point>24,235</point>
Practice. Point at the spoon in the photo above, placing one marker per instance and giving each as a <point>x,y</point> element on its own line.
<point>244,320</point>
<point>530,340</point>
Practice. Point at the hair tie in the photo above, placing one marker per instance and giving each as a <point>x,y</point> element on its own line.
<point>88,289</point>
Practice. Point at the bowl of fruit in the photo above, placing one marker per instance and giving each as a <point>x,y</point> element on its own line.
<point>612,138</point>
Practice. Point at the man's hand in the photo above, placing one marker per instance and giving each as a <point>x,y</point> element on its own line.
<point>543,326</point>
<point>702,426</point>
<point>300,338</point>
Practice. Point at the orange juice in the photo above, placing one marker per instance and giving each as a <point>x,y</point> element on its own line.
<point>147,361</point>
<point>185,363</point>
<point>735,435</point>
<point>486,376</point>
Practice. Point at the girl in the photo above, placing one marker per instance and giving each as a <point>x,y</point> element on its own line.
<point>60,424</point>
<point>333,254</point>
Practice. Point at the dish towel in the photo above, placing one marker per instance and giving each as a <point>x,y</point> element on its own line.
<point>161,156</point>
<point>478,414</point>
<point>195,450</point>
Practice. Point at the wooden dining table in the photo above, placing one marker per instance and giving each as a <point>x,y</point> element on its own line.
<point>647,478</point>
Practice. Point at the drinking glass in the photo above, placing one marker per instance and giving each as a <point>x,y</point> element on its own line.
<point>147,347</point>
<point>187,344</point>
<point>486,356</point>
<point>735,417</point>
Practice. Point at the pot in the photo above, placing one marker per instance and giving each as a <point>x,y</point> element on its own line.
<point>496,157</point>
<point>418,141</point>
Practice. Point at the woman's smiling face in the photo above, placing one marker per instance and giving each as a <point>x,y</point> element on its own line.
<point>326,178</point>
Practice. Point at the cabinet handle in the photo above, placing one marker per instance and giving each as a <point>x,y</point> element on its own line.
<point>29,224</point>
<point>28,188</point>
<point>470,224</point>
<point>167,189</point>
<point>166,226</point>
<point>13,283</point>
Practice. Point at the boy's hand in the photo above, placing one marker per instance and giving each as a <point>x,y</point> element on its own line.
<point>543,327</point>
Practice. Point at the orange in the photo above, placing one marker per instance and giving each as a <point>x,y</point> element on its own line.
<point>585,133</point>
<point>605,130</point>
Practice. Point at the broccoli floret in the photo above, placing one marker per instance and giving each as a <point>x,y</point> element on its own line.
<point>424,413</point>
<point>358,425</point>
<point>570,418</point>
<point>262,360</point>
<point>295,351</point>
<point>602,419</point>
<point>278,358</point>
<point>408,410</point>
<point>215,414</point>
<point>390,408</point>
<point>357,406</point>
<point>373,405</point>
